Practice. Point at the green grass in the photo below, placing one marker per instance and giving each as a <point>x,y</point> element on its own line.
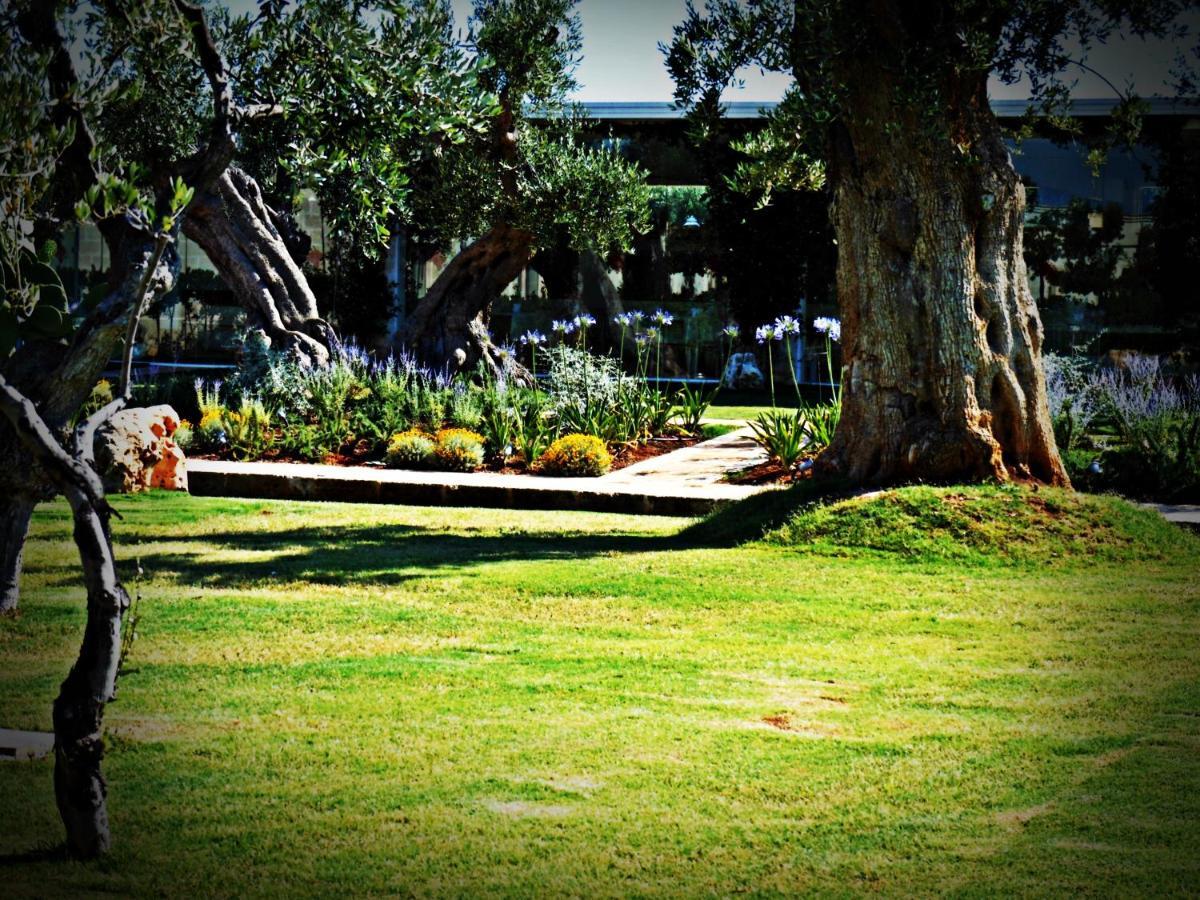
<point>736,412</point>
<point>710,430</point>
<point>368,700</point>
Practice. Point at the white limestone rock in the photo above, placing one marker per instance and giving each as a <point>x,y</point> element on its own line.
<point>135,452</point>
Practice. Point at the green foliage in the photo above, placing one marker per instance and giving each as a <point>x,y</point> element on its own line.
<point>532,169</point>
<point>458,450</point>
<point>33,305</point>
<point>783,435</point>
<point>360,121</point>
<point>820,422</point>
<point>575,455</point>
<point>692,404</point>
<point>411,449</point>
<point>839,54</point>
<point>248,429</point>
<point>536,428</point>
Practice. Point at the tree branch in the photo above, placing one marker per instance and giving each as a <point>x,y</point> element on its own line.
<point>66,470</point>
<point>139,305</point>
<point>215,157</point>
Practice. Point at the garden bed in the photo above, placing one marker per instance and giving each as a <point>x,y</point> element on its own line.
<point>363,454</point>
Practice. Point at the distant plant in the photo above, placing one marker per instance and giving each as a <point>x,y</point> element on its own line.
<point>693,403</point>
<point>1072,396</point>
<point>576,455</point>
<point>184,435</point>
<point>248,429</point>
<point>535,429</point>
<point>1157,419</point>
<point>782,434</point>
<point>411,449</point>
<point>458,450</point>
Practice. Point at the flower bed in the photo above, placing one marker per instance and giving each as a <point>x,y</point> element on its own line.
<point>394,412</point>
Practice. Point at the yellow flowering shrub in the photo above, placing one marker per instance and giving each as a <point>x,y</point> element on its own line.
<point>578,455</point>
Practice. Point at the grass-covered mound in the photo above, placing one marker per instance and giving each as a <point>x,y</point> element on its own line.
<point>983,523</point>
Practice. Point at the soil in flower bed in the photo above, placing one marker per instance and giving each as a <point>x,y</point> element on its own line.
<point>769,472</point>
<point>363,455</point>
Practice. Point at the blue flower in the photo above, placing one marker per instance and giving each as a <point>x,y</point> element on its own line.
<point>584,321</point>
<point>662,318</point>
<point>831,327</point>
<point>532,338</point>
<point>787,325</point>
<point>563,327</point>
<point>765,333</point>
<point>731,331</point>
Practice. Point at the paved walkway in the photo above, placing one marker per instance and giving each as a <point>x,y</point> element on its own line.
<point>24,745</point>
<point>686,482</point>
<point>1182,514</point>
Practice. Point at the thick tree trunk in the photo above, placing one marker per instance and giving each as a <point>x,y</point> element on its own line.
<point>942,377</point>
<point>247,243</point>
<point>15,513</point>
<point>578,282</point>
<point>448,329</point>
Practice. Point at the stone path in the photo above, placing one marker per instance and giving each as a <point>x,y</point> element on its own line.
<point>1182,514</point>
<point>23,745</point>
<point>687,482</point>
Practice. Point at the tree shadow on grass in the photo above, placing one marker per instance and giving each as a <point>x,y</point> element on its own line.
<point>393,554</point>
<point>383,554</point>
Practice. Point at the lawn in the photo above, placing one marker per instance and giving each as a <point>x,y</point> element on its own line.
<point>419,701</point>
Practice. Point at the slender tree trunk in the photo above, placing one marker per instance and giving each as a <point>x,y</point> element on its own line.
<point>942,377</point>
<point>80,790</point>
<point>247,242</point>
<point>448,329</point>
<point>15,513</point>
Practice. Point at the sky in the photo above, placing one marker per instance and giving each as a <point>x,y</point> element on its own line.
<point>621,59</point>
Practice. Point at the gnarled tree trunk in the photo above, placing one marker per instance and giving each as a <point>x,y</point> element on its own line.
<point>942,377</point>
<point>246,241</point>
<point>448,329</point>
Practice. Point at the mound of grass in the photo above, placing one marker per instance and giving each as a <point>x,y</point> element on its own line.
<point>984,523</point>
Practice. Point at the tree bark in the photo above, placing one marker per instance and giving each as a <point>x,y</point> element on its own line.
<point>448,329</point>
<point>15,513</point>
<point>246,241</point>
<point>578,282</point>
<point>80,790</point>
<point>942,377</point>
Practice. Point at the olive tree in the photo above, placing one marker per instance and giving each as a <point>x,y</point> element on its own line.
<point>530,181</point>
<point>56,172</point>
<point>941,338</point>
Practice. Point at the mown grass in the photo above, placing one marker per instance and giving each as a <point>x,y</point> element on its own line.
<point>369,700</point>
<point>735,412</point>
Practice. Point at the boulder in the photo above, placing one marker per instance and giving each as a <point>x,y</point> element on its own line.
<point>135,452</point>
<point>743,372</point>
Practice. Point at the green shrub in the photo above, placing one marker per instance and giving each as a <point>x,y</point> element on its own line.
<point>184,436</point>
<point>576,455</point>
<point>458,450</point>
<point>412,449</point>
<point>782,434</point>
